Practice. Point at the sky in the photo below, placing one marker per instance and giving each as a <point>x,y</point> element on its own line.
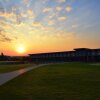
<point>34,26</point>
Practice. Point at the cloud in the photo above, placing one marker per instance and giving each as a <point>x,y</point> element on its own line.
<point>61,1</point>
<point>58,8</point>
<point>31,22</point>
<point>6,15</point>
<point>4,38</point>
<point>37,24</point>
<point>51,22</point>
<point>10,17</point>
<point>62,18</point>
<point>16,17</point>
<point>30,14</point>
<point>47,9</point>
<point>26,1</point>
<point>68,8</point>
<point>65,35</point>
<point>52,15</point>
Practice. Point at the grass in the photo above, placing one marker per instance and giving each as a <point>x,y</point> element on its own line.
<point>9,68</point>
<point>71,81</point>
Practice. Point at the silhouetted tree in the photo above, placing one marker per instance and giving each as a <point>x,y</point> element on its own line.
<point>2,55</point>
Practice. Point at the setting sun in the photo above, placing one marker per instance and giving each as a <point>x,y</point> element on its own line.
<point>21,49</point>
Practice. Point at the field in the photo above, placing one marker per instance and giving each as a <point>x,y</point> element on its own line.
<point>70,81</point>
<point>8,68</point>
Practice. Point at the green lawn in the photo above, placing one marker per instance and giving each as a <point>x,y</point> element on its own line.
<point>71,81</point>
<point>9,68</point>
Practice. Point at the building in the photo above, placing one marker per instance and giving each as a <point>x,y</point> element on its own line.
<point>77,55</point>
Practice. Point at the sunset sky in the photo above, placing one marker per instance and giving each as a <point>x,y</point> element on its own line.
<point>34,26</point>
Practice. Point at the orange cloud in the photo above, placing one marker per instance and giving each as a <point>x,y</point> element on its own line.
<point>62,18</point>
<point>26,1</point>
<point>68,8</point>
<point>58,8</point>
<point>51,22</point>
<point>7,15</point>
<point>47,10</point>
<point>30,13</point>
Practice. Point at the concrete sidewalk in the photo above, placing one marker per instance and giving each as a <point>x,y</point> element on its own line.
<point>5,77</point>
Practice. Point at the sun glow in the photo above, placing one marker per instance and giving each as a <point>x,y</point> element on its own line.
<point>21,49</point>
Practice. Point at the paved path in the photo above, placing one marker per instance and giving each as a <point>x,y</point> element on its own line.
<point>95,64</point>
<point>5,77</point>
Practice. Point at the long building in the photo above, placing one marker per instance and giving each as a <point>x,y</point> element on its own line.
<point>77,55</point>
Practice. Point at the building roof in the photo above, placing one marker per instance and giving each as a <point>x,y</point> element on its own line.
<point>82,49</point>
